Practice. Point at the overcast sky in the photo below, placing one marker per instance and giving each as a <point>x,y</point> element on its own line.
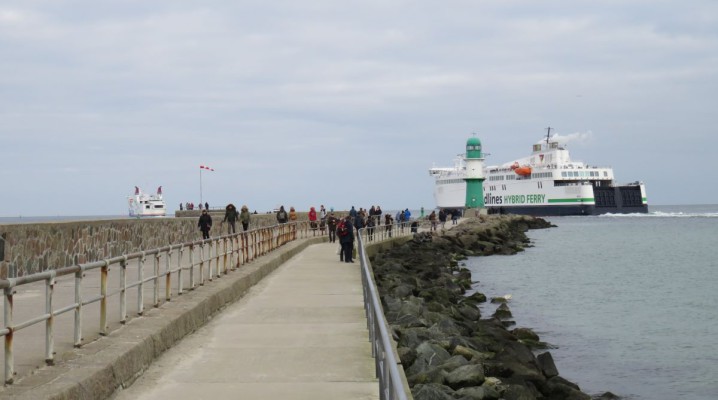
<point>343,103</point>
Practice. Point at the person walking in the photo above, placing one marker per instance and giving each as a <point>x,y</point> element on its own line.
<point>313,219</point>
<point>205,223</point>
<point>442,218</point>
<point>282,216</point>
<point>432,219</point>
<point>388,222</point>
<point>346,239</point>
<point>332,226</point>
<point>230,217</point>
<point>244,217</point>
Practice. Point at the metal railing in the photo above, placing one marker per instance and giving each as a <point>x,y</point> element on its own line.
<point>391,380</point>
<point>203,260</point>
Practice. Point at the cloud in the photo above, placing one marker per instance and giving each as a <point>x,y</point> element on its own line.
<point>363,95</point>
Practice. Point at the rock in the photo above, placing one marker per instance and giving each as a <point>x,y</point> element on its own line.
<point>548,367</point>
<point>431,375</point>
<point>466,376</point>
<point>525,333</point>
<point>476,393</point>
<point>606,396</point>
<point>427,355</point>
<point>520,392</point>
<point>432,391</point>
<point>560,388</point>
<point>453,363</point>
<point>502,312</point>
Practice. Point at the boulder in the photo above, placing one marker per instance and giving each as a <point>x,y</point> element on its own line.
<point>432,391</point>
<point>546,364</point>
<point>466,376</point>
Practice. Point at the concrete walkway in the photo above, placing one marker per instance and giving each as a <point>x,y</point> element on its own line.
<point>300,333</point>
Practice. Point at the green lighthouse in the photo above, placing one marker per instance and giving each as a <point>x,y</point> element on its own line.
<point>474,174</point>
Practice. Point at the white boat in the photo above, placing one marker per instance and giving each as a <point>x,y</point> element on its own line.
<point>546,183</point>
<point>146,205</point>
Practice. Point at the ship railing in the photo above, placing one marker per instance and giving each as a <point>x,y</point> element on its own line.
<point>189,265</point>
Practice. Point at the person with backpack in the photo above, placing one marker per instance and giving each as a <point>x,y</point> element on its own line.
<point>345,231</point>
<point>282,217</point>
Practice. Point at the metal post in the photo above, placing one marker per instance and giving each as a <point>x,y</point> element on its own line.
<point>168,276</point>
<point>50,321</point>
<point>141,285</point>
<point>191,266</point>
<point>9,356</point>
<point>103,299</point>
<point>123,290</point>
<point>78,306</point>
<point>180,284</point>
<point>156,281</point>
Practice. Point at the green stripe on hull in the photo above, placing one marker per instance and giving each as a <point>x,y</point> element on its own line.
<point>580,200</point>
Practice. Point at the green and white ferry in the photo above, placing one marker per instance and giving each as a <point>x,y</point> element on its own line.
<point>546,183</point>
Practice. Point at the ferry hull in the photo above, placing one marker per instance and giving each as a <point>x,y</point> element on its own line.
<point>567,210</point>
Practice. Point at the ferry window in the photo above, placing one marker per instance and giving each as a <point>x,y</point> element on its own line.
<point>563,174</point>
<point>605,173</point>
<point>537,147</point>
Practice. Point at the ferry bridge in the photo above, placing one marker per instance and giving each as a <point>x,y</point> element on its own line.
<point>197,320</point>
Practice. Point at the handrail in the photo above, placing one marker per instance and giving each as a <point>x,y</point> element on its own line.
<point>391,380</point>
<point>204,259</point>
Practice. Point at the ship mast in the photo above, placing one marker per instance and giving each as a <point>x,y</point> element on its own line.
<point>548,134</point>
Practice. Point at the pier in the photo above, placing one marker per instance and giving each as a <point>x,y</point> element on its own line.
<point>301,332</point>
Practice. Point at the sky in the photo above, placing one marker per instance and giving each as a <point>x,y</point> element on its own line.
<point>342,103</point>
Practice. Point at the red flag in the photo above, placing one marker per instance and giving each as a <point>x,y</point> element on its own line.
<point>206,167</point>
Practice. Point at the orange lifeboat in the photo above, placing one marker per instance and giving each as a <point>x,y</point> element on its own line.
<point>523,171</point>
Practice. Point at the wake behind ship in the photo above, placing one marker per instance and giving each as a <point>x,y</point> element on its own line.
<point>546,183</point>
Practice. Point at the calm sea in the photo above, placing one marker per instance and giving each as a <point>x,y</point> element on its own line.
<point>630,300</point>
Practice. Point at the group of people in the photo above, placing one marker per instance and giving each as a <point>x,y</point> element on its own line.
<point>444,214</point>
<point>190,206</point>
<point>231,216</point>
<point>341,227</point>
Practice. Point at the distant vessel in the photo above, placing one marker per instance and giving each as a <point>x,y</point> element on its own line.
<point>546,183</point>
<point>146,205</point>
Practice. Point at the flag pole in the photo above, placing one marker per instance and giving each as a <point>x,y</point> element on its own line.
<point>200,186</point>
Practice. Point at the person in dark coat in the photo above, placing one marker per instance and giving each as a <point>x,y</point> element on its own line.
<point>332,226</point>
<point>205,224</point>
<point>347,241</point>
<point>231,216</point>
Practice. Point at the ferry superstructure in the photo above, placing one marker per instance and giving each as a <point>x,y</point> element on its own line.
<point>545,183</point>
<point>146,205</point>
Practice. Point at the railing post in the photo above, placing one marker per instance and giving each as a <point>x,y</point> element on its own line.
<point>168,275</point>
<point>191,266</point>
<point>141,285</point>
<point>50,321</point>
<point>9,356</point>
<point>180,284</point>
<point>78,306</point>
<point>201,264</point>
<point>224,261</point>
<point>123,290</point>
<point>156,281</point>
<point>103,298</point>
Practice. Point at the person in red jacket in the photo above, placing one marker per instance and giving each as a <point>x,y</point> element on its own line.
<point>312,218</point>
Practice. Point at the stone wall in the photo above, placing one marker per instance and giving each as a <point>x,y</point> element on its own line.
<point>29,248</point>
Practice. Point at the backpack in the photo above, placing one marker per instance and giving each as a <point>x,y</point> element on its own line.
<point>342,229</point>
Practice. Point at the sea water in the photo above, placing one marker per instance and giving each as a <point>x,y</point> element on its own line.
<point>629,300</point>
